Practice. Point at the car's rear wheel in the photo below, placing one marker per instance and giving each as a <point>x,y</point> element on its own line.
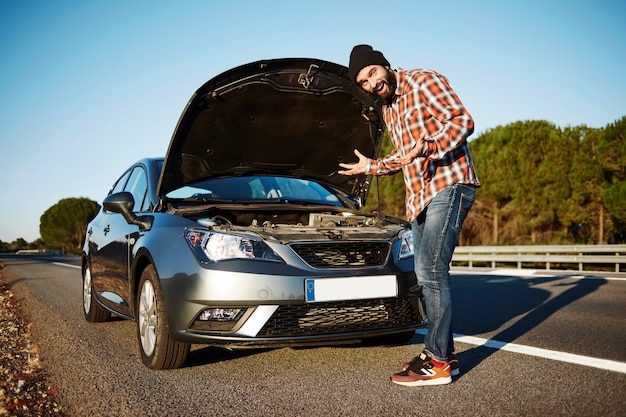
<point>93,311</point>
<point>158,349</point>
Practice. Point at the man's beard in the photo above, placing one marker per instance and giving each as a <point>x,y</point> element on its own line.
<point>392,84</point>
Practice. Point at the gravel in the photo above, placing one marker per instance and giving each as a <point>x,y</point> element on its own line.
<point>24,387</point>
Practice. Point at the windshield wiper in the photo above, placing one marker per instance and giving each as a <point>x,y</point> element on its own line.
<point>200,198</point>
<point>283,200</point>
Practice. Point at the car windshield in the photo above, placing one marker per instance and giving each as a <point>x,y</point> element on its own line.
<point>259,189</point>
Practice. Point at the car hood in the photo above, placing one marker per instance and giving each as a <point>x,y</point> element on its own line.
<point>297,117</point>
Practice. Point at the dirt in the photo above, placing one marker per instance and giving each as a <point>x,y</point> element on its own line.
<point>24,387</point>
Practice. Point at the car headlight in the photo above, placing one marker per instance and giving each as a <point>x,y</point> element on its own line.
<point>406,243</point>
<point>213,247</point>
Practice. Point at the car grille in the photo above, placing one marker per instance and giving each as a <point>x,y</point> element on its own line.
<point>341,317</point>
<point>342,254</point>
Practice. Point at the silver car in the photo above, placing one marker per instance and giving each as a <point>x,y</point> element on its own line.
<point>245,235</point>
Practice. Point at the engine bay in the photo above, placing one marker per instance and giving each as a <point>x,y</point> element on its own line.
<point>291,223</point>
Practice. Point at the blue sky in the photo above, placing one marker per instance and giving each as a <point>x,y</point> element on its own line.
<point>89,87</point>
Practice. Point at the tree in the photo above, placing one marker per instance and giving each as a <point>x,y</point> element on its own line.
<point>496,165</point>
<point>541,181</point>
<point>18,244</point>
<point>612,154</point>
<point>583,212</point>
<point>63,225</point>
<point>615,202</point>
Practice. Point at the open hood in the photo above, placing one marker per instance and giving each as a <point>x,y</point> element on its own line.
<point>297,117</point>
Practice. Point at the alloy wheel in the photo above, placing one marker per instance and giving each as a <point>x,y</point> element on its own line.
<point>147,318</point>
<point>87,291</point>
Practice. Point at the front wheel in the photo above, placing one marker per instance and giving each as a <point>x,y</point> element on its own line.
<point>158,349</point>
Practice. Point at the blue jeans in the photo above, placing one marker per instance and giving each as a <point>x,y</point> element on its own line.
<point>435,235</point>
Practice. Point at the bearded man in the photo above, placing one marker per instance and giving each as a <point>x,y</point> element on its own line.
<point>428,126</point>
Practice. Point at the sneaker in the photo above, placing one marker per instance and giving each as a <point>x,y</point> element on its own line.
<point>423,371</point>
<point>452,360</point>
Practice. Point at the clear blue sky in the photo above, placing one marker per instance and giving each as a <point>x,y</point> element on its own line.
<point>89,87</point>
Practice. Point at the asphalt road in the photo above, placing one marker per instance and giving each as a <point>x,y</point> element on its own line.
<point>533,345</point>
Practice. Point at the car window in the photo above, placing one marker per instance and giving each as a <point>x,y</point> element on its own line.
<point>137,185</point>
<point>119,185</point>
<point>259,188</point>
<point>304,190</point>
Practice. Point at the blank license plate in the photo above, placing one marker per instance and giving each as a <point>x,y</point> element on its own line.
<point>350,288</point>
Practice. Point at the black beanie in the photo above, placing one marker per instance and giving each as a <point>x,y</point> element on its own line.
<point>363,56</point>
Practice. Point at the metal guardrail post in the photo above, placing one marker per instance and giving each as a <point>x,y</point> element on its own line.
<point>580,264</point>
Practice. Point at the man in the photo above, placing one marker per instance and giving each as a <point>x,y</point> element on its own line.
<point>428,126</point>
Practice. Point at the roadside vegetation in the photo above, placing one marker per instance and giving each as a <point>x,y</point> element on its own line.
<point>62,227</point>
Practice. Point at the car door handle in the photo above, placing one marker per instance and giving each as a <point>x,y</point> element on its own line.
<point>107,230</point>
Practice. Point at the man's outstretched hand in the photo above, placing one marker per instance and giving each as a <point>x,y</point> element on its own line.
<point>356,168</point>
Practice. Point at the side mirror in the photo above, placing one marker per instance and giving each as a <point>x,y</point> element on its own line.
<point>123,204</point>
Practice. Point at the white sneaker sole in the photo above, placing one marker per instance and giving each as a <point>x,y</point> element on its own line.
<point>424,382</point>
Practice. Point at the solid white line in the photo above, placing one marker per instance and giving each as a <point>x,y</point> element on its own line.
<point>533,273</point>
<point>597,277</point>
<point>541,353</point>
<point>68,265</point>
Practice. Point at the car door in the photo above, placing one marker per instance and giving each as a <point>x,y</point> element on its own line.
<point>111,245</point>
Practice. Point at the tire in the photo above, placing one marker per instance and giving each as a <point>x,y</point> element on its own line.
<point>93,311</point>
<point>158,349</point>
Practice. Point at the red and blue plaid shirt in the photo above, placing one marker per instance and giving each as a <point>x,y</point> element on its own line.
<point>426,107</point>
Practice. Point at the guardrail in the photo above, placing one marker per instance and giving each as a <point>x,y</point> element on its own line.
<point>562,256</point>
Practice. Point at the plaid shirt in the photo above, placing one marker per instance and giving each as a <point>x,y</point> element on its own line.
<point>426,107</point>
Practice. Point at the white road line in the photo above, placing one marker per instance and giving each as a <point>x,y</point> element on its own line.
<point>597,277</point>
<point>533,273</point>
<point>68,265</point>
<point>563,274</point>
<point>541,353</point>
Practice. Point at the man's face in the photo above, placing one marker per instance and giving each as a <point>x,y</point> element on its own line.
<point>378,80</point>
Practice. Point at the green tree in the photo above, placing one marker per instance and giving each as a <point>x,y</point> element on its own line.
<point>63,225</point>
<point>615,201</point>
<point>540,182</point>
<point>496,163</point>
<point>583,212</point>
<point>18,244</point>
<point>612,154</point>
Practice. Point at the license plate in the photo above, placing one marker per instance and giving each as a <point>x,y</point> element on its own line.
<point>350,288</point>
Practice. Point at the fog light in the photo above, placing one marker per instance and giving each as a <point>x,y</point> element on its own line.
<point>221,314</point>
